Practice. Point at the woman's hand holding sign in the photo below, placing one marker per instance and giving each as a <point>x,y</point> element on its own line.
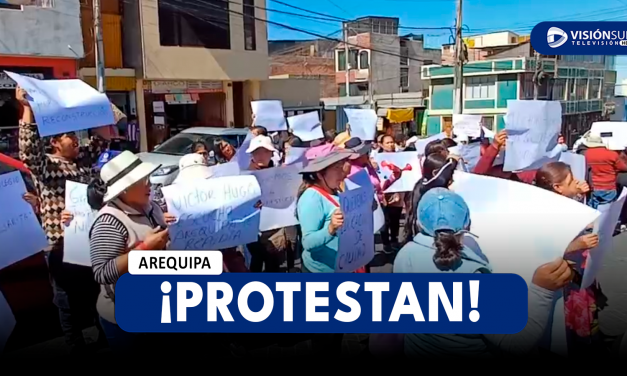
<point>337,220</point>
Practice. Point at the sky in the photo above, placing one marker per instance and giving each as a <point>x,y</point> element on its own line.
<point>480,16</point>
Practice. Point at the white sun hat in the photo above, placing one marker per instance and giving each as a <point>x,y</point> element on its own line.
<point>261,142</point>
<point>122,171</point>
<point>192,167</point>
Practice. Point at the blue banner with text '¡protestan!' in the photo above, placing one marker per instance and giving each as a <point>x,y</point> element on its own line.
<point>323,303</point>
<point>580,38</point>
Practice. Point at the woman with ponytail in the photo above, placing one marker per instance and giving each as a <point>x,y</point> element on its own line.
<point>443,218</point>
<point>438,172</point>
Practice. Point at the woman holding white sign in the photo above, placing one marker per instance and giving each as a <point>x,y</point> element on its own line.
<point>581,306</point>
<point>393,206</point>
<point>443,219</point>
<point>127,220</point>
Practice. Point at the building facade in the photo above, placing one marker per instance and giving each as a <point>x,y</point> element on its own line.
<point>197,63</point>
<point>380,61</point>
<point>583,84</point>
<point>311,59</point>
<point>120,82</point>
<point>43,41</point>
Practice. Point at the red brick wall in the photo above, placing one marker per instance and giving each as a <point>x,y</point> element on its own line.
<point>307,66</point>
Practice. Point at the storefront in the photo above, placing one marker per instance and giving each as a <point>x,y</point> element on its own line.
<point>40,68</point>
<point>172,106</point>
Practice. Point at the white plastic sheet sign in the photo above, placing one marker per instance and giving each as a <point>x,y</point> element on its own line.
<point>269,114</point>
<point>405,159</point>
<point>7,322</point>
<point>532,130</point>
<point>613,133</point>
<point>241,157</point>
<point>516,222</point>
<point>577,163</point>
<point>363,123</point>
<point>279,186</point>
<point>306,126</point>
<point>422,143</point>
<point>468,125</point>
<point>295,155</point>
<point>356,236</point>
<point>214,214</point>
<point>21,234</point>
<point>62,106</point>
<point>76,235</point>
<point>604,227</point>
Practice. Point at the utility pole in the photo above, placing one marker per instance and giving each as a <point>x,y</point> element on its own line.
<point>100,62</point>
<point>347,59</point>
<point>458,80</point>
<point>537,76</point>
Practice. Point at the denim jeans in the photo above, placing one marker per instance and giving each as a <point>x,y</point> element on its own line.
<point>601,197</point>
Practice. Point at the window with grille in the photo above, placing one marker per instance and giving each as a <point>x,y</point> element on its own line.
<point>481,87</point>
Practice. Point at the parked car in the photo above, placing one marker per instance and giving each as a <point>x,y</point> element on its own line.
<point>168,154</point>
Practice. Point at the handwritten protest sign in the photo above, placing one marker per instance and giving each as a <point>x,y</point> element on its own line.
<point>532,130</point>
<point>214,214</point>
<point>515,223</point>
<point>62,106</point>
<point>422,143</point>
<point>361,179</point>
<point>604,227</point>
<point>468,125</point>
<point>279,187</point>
<point>269,114</point>
<point>408,179</point>
<point>21,234</point>
<point>306,126</point>
<point>363,123</point>
<point>356,236</point>
<point>76,235</point>
<point>7,322</point>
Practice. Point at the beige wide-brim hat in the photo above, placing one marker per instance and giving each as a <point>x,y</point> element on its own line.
<point>123,171</point>
<point>594,142</point>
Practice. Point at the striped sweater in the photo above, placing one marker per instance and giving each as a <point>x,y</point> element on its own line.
<point>50,174</point>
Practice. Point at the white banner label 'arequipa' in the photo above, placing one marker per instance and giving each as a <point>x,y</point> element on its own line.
<point>175,262</point>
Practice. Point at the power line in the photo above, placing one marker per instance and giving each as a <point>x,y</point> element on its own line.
<point>340,19</point>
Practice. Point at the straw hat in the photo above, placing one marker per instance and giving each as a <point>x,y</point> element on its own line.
<point>123,171</point>
<point>192,167</point>
<point>341,139</point>
<point>324,161</point>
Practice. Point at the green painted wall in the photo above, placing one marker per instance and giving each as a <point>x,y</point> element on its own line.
<point>479,103</point>
<point>506,89</point>
<point>500,123</point>
<point>442,97</point>
<point>433,125</point>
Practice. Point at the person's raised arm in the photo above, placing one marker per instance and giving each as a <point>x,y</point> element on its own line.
<point>31,146</point>
<point>486,161</point>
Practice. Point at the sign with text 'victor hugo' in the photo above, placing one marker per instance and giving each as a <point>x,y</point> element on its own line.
<point>214,213</point>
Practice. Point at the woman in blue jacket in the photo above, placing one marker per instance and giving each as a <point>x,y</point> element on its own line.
<point>443,218</point>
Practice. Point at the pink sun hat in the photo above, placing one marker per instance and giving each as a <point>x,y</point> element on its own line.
<point>319,151</point>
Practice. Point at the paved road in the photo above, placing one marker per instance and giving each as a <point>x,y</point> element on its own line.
<point>613,319</point>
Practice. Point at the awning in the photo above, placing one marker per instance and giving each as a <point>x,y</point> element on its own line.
<point>400,115</point>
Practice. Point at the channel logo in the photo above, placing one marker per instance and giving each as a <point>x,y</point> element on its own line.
<point>556,37</point>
